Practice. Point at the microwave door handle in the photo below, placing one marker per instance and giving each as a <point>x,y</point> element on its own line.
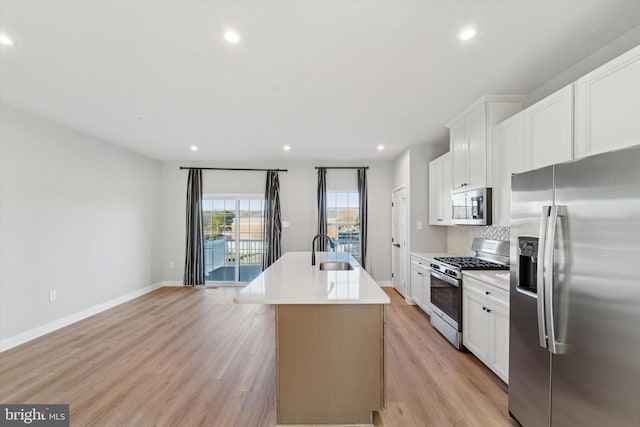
<point>549,254</point>
<point>542,328</point>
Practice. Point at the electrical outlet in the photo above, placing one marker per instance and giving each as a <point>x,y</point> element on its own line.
<point>52,295</point>
<point>285,224</point>
<point>172,265</point>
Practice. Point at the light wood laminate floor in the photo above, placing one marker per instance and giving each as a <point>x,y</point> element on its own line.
<point>190,357</point>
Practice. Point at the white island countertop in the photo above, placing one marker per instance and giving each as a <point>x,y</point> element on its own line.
<point>293,280</point>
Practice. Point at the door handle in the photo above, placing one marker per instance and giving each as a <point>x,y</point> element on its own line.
<point>542,328</point>
<point>549,250</point>
<point>397,245</point>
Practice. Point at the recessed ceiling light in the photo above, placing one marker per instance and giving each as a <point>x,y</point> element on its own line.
<point>6,40</point>
<point>380,147</point>
<point>193,148</point>
<point>467,34</point>
<point>232,36</point>
<point>286,147</point>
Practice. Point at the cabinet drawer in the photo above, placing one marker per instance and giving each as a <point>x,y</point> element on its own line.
<point>488,291</point>
<point>420,262</point>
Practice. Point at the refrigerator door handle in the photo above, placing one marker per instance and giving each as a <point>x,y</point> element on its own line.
<point>549,256</point>
<point>542,329</point>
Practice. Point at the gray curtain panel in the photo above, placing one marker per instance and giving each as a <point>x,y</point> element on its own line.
<point>321,244</point>
<point>362,193</point>
<point>194,257</point>
<point>272,224</point>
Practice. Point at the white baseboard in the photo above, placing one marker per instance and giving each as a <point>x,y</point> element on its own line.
<point>385,283</point>
<point>179,283</point>
<point>16,340</point>
<point>172,283</point>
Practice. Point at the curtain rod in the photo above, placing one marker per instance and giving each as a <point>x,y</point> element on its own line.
<point>342,167</point>
<point>236,169</point>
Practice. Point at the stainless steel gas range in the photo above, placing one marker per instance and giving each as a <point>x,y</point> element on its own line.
<point>446,284</point>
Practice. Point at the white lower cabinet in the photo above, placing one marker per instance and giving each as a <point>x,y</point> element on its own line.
<point>475,325</point>
<point>485,324</point>
<point>421,284</point>
<point>500,342</point>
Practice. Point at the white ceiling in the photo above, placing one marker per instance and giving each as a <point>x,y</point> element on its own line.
<point>332,79</point>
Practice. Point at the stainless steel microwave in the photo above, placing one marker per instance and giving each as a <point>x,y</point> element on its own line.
<point>471,207</point>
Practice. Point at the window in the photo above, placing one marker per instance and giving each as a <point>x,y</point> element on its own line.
<point>343,220</point>
<point>233,236</point>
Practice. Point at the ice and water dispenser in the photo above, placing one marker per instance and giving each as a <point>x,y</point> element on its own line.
<point>528,264</point>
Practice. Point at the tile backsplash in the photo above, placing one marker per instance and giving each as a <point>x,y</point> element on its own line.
<point>459,237</point>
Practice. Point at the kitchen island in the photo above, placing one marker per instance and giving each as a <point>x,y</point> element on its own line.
<point>330,339</point>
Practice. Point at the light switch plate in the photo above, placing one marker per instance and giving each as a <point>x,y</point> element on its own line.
<point>419,225</point>
<point>285,224</point>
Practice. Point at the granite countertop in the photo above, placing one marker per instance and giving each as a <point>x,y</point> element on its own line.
<point>293,280</point>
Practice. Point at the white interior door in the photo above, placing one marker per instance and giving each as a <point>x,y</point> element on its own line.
<point>399,240</point>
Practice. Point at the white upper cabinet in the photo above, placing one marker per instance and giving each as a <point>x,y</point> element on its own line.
<point>440,190</point>
<point>541,135</point>
<point>477,148</point>
<point>549,130</point>
<point>471,140</point>
<point>508,158</point>
<point>607,106</point>
<point>446,192</point>
<point>436,190</point>
<point>458,147</point>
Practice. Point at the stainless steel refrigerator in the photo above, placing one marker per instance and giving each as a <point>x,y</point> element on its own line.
<point>575,293</point>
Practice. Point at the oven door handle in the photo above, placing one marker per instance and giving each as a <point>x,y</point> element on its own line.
<point>445,278</point>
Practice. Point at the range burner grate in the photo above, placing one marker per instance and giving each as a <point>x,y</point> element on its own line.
<point>471,263</point>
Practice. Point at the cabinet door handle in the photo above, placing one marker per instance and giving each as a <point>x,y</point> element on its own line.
<point>419,273</point>
<point>487,293</point>
<point>488,310</point>
<point>439,219</point>
<point>397,245</point>
<point>484,308</point>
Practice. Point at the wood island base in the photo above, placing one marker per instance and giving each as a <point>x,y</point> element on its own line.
<point>330,363</point>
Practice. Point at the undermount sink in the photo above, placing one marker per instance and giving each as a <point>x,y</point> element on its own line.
<point>335,265</point>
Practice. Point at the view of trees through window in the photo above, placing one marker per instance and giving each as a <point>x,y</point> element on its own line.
<point>233,236</point>
<point>343,220</point>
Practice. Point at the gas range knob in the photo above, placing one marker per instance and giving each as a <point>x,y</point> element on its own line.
<point>435,266</point>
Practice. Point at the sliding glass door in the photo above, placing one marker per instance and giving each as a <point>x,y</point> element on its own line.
<point>233,238</point>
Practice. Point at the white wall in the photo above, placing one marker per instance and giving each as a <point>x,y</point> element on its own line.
<point>430,238</point>
<point>77,215</point>
<point>298,204</point>
<point>600,57</point>
<point>411,169</point>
